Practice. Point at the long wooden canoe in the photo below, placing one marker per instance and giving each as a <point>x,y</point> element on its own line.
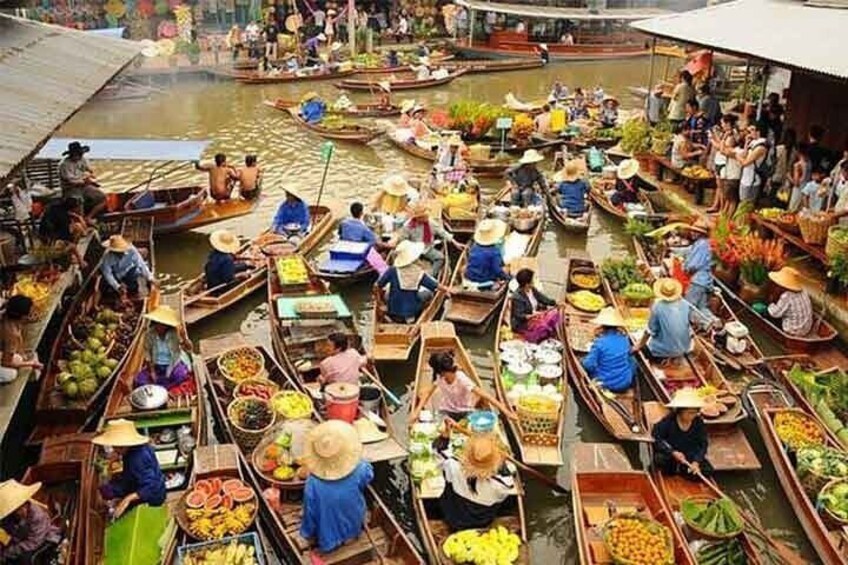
<point>200,304</point>
<point>347,132</point>
<point>570,225</point>
<point>399,84</point>
<point>56,414</point>
<point>435,337</point>
<point>355,111</point>
<point>483,168</point>
<point>460,225</point>
<point>288,77</point>
<point>478,66</point>
<point>385,69</point>
<point>599,197</point>
<point>826,539</point>
<point>622,415</point>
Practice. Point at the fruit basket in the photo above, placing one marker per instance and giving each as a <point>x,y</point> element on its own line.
<point>278,457</point>
<point>649,538</point>
<point>217,507</point>
<point>240,364</point>
<point>216,551</point>
<point>587,301</point>
<point>250,418</point>
<point>538,416</point>
<point>586,279</point>
<point>819,465</point>
<point>814,226</point>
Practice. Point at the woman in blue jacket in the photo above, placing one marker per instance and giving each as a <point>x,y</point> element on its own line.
<point>485,267</point>
<point>609,361</point>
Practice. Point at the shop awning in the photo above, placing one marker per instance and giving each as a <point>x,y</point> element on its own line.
<point>128,149</point>
<point>555,13</point>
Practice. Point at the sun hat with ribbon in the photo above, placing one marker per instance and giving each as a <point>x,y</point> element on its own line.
<point>610,317</point>
<point>490,231</point>
<point>668,289</point>
<point>368,431</point>
<point>569,173</point>
<point>165,315</point>
<point>701,226</point>
<point>76,148</point>
<point>224,241</point>
<point>610,99</point>
<point>627,169</point>
<point>117,243</point>
<point>332,450</point>
<point>531,156</point>
<point>407,253</point>
<point>482,456</point>
<point>787,277</point>
<point>13,495</point>
<point>395,185</point>
<point>120,433</point>
<point>686,398</point>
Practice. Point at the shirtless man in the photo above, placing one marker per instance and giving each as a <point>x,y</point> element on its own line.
<point>250,178</point>
<point>221,177</point>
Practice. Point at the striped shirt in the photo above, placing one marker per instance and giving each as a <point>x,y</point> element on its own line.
<point>795,309</point>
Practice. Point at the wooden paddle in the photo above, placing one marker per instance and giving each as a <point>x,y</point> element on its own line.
<point>386,392</point>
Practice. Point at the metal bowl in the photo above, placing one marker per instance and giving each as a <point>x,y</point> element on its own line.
<point>149,397</point>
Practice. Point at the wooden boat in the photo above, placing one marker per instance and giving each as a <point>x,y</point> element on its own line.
<point>820,338</point>
<point>200,304</point>
<point>597,195</point>
<point>484,168</point>
<point>826,538</point>
<point>346,132</point>
<point>55,413</point>
<point>355,111</point>
<point>435,58</point>
<point>400,84</point>
<point>510,43</point>
<point>597,496</point>
<point>460,224</point>
<point>570,225</point>
<point>288,77</point>
<point>477,66</point>
<point>440,336</point>
<point>623,415</point>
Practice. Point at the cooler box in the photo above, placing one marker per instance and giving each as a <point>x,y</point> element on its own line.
<point>345,257</point>
<point>287,307</point>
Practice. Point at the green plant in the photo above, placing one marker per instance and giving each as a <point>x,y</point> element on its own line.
<point>620,272</point>
<point>636,136</point>
<point>637,228</point>
<point>754,93</point>
<point>839,269</point>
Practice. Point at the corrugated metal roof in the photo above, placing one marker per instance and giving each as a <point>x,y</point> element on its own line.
<point>46,74</point>
<point>784,32</point>
<point>552,12</point>
<point>129,149</point>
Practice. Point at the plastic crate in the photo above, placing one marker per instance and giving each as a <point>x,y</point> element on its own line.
<point>249,538</point>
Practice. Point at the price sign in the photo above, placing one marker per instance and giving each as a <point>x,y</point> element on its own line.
<point>503,123</point>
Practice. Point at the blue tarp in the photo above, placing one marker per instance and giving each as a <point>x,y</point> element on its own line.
<point>128,149</point>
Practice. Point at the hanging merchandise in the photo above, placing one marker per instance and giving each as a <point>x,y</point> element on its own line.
<point>183,16</point>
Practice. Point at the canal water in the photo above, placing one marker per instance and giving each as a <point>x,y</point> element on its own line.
<point>234,118</point>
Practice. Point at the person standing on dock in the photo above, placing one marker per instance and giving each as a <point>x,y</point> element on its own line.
<point>270,33</point>
<point>78,180</point>
<point>668,335</point>
<point>121,267</point>
<point>680,438</point>
<point>524,177</point>
<point>221,177</point>
<point>682,93</point>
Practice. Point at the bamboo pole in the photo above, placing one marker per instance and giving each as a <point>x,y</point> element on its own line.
<point>651,72</point>
<point>351,27</point>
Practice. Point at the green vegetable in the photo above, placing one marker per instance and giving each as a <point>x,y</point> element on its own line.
<point>722,553</point>
<point>134,538</point>
<point>823,461</point>
<point>637,291</point>
<point>621,272</point>
<point>834,497</point>
<point>637,228</point>
<point>636,136</point>
<point>719,516</point>
<point>827,393</point>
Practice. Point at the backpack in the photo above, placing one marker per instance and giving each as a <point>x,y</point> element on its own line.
<point>765,168</point>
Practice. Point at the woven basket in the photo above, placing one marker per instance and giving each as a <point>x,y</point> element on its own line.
<point>180,513</point>
<point>271,385</point>
<point>538,423</point>
<point>653,524</point>
<point>247,439</point>
<point>834,247</point>
<point>791,227</point>
<point>229,381</point>
<point>704,533</point>
<point>814,227</point>
<point>825,510</point>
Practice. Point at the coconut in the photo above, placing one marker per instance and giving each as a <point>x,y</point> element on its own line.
<point>70,389</point>
<point>87,387</point>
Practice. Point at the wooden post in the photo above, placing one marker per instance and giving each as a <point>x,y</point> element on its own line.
<point>351,26</point>
<point>470,28</point>
<point>747,79</point>
<point>651,72</point>
<point>763,94</point>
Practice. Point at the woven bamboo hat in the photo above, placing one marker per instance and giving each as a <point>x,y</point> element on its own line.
<point>531,156</point>
<point>395,185</point>
<point>787,277</point>
<point>701,226</point>
<point>120,433</point>
<point>332,450</point>
<point>668,289</point>
<point>482,456</point>
<point>224,241</point>
<point>407,253</point>
<point>116,243</point>
<point>569,173</point>
<point>686,398</point>
<point>165,315</point>
<point>406,106</point>
<point>13,495</point>
<point>609,316</point>
<point>627,169</point>
<point>490,231</point>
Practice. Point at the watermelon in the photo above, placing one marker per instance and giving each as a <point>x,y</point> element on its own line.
<point>243,494</point>
<point>196,499</point>
<point>213,502</point>
<point>227,502</point>
<point>231,485</point>
<point>268,465</point>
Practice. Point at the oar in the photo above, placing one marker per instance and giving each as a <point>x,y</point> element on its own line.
<point>386,392</point>
<point>613,404</point>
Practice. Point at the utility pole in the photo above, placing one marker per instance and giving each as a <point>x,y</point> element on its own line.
<point>351,26</point>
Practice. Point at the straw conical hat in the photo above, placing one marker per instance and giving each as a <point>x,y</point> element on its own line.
<point>368,431</point>
<point>165,315</point>
<point>627,169</point>
<point>13,495</point>
<point>116,243</point>
<point>490,231</point>
<point>120,433</point>
<point>407,253</point>
<point>224,241</point>
<point>395,185</point>
<point>333,450</point>
<point>569,173</point>
<point>531,156</point>
<point>788,278</point>
<point>609,316</point>
<point>668,289</point>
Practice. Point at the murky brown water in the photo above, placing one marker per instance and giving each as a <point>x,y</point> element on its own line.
<point>236,121</point>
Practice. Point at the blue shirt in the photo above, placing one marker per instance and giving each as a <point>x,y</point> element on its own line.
<point>352,229</point>
<point>609,361</point>
<point>221,269</point>
<point>116,266</point>
<point>485,264</point>
<point>161,351</point>
<point>296,212</point>
<point>573,196</point>
<point>312,111</point>
<point>669,329</point>
<point>404,303</point>
<point>699,263</point>
<point>141,475</point>
<point>811,189</point>
<point>334,511</point>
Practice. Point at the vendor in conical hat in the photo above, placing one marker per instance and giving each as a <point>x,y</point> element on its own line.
<point>668,335</point>
<point>166,359</point>
<point>485,267</point>
<point>222,270</point>
<point>626,187</point>
<point>395,196</point>
<point>609,111</point>
<point>420,228</point>
<point>141,480</point>
<point>525,180</point>
<point>680,438</point>
<point>410,288</point>
<point>312,108</point>
<point>573,189</point>
<point>121,268</point>
<point>794,307</point>
<point>609,361</point>
<point>27,523</point>
<point>334,507</point>
<point>384,99</point>
<point>292,217</point>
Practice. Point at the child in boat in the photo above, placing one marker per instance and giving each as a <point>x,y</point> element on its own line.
<point>250,178</point>
<point>27,523</point>
<point>609,361</point>
<point>222,270</point>
<point>166,361</point>
<point>485,267</point>
<point>534,316</point>
<point>681,438</point>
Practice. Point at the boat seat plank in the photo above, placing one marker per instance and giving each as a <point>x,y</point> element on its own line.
<point>541,455</point>
<point>599,457</point>
<point>469,312</point>
<point>385,450</point>
<point>359,547</point>
<point>214,346</point>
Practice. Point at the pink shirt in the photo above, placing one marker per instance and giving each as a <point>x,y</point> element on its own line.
<point>343,367</point>
<point>456,397</point>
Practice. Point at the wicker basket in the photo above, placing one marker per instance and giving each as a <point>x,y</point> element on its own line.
<point>283,394</point>
<point>181,515</point>
<point>251,352</point>
<point>702,532</point>
<point>653,524</point>
<point>814,227</point>
<point>825,510</point>
<point>238,392</point>
<point>247,439</point>
<point>535,424</point>
<point>833,247</point>
<point>790,227</point>
<point>249,539</point>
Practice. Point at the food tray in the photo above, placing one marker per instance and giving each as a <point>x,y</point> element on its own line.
<point>249,538</point>
<point>180,513</point>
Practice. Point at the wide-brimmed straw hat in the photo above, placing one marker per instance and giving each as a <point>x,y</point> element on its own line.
<point>407,253</point>
<point>13,495</point>
<point>701,226</point>
<point>686,398</point>
<point>368,431</point>
<point>609,316</point>
<point>627,169</point>
<point>417,108</point>
<point>482,456</point>
<point>787,277</point>
<point>321,37</point>
<point>165,315</point>
<point>76,148</point>
<point>543,46</point>
<point>454,141</point>
<point>668,289</point>
<point>395,185</point>
<point>332,450</point>
<point>117,243</point>
<point>407,105</point>
<point>385,86</point>
<point>120,433</point>
<point>291,192</point>
<point>490,231</point>
<point>569,173</point>
<point>531,156</point>
<point>224,241</point>
<point>610,99</point>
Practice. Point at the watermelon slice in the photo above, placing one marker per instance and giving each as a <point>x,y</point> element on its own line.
<point>204,486</point>
<point>213,502</point>
<point>231,485</point>
<point>196,499</point>
<point>216,485</point>
<point>227,502</point>
<point>243,494</point>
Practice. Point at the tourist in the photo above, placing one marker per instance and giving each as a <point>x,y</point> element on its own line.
<point>544,54</point>
<point>683,151</point>
<point>312,108</point>
<point>252,33</point>
<point>784,157</point>
<point>542,122</point>
<point>344,364</point>
<point>141,480</point>
<point>292,217</point>
<point>222,270</point>
<point>61,226</point>
<point>121,267</point>
<point>334,506</point>
<point>310,47</point>
<point>233,40</point>
<point>840,191</point>
<point>609,361</point>
<point>668,337</point>
<point>682,93</point>
<point>395,196</point>
<point>728,171</point>
<point>477,482</point>
<point>523,179</point>
<point>751,158</point>
<point>402,28</point>
<point>680,438</point>
<point>609,112</point>
<point>655,105</point>
<point>573,190</point>
<point>816,193</point>
<point>697,123</point>
<point>250,178</point>
<point>221,177</point>
<point>422,70</point>
<point>793,308</point>
<point>626,191</point>
<point>13,355</point>
<point>330,25</point>
<point>698,266</point>
<point>270,33</point>
<point>318,17</point>
<point>78,180</point>
<point>535,316</point>
<point>709,105</point>
<point>354,229</point>
<point>485,267</point>
<point>802,172</point>
<point>31,535</point>
<point>410,288</point>
<point>166,354</point>
<point>419,228</point>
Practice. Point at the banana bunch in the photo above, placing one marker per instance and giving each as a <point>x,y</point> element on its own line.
<point>234,553</point>
<point>494,547</point>
<point>209,524</point>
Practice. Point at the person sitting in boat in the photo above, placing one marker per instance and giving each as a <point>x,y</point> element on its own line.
<point>422,50</point>
<point>250,178</point>
<point>406,108</point>
<point>392,59</point>
<point>626,191</point>
<point>609,361</point>
<point>61,226</point>
<point>141,480</point>
<point>698,265</point>
<point>312,108</point>
<point>534,315</point>
<point>292,64</point>
<point>681,438</point>
<point>13,356</point>
<point>310,47</point>
<point>293,214</point>
<point>450,166</point>
<point>476,484</point>
<point>793,308</point>
<point>419,228</point>
<point>567,39</point>
<point>410,288</point>
<point>166,360</point>
<point>396,196</point>
<point>77,179</point>
<point>609,112</point>
<point>417,125</point>
<point>524,177</point>
<point>668,337</point>
<point>599,97</point>
<point>221,177</point>
<point>485,267</point>
<point>334,506</point>
<point>458,394</point>
<point>344,364</point>
<point>573,190</point>
<point>422,70</point>
<point>334,57</point>
<point>28,525</point>
<point>559,93</point>
<point>544,54</point>
<point>384,96</point>
<point>222,270</point>
<point>121,267</point>
<point>354,229</point>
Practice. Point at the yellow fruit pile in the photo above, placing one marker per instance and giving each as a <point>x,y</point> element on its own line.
<point>210,524</point>
<point>637,541</point>
<point>537,403</point>
<point>292,405</point>
<point>587,300</point>
<point>494,547</point>
<point>234,553</point>
<point>696,172</point>
<point>36,290</point>
<point>797,430</point>
<point>292,270</point>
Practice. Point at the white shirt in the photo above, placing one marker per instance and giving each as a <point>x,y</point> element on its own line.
<point>749,172</point>
<point>318,15</point>
<point>403,26</point>
<point>732,169</point>
<point>489,491</point>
